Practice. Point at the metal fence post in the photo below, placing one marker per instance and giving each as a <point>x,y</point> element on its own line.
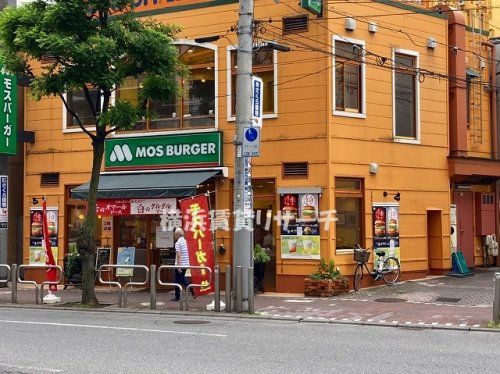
<point>13,278</point>
<point>228,289</point>
<point>217,288</point>
<point>37,294</point>
<point>250,291</point>
<point>152,287</point>
<point>496,299</point>
<point>239,284</point>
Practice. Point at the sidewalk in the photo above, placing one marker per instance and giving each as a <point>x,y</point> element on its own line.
<point>433,301</point>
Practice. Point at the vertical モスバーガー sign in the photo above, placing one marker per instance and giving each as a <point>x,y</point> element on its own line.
<point>8,113</point>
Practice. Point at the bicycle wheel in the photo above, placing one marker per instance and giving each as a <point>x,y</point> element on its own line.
<point>390,270</point>
<point>358,277</point>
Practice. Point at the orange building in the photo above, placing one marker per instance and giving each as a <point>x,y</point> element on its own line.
<point>355,121</point>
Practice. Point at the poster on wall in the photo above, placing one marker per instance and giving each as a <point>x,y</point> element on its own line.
<point>38,254</point>
<point>386,229</point>
<point>196,220</point>
<point>125,256</point>
<point>164,239</point>
<point>299,226</point>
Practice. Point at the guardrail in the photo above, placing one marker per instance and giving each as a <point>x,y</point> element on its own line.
<point>5,266</point>
<point>38,286</point>
<point>122,290</point>
<point>183,299</point>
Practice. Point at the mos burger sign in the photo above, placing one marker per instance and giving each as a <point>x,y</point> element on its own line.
<point>164,152</point>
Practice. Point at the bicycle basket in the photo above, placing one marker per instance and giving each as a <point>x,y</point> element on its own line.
<point>361,255</point>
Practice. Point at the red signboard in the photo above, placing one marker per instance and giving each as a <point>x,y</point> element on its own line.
<point>113,207</point>
<point>196,220</point>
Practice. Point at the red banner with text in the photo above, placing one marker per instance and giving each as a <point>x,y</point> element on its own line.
<point>196,220</point>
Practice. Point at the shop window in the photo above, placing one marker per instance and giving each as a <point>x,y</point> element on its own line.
<point>79,104</point>
<point>349,77</point>
<point>349,207</point>
<point>194,108</point>
<point>406,116</point>
<point>264,67</point>
<point>76,211</point>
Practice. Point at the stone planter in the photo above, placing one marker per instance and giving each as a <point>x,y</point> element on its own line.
<point>325,287</point>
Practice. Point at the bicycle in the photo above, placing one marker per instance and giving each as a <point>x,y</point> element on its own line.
<point>387,268</point>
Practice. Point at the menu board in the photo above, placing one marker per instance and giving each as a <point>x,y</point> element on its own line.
<point>38,253</point>
<point>385,219</point>
<point>299,226</point>
<point>102,257</point>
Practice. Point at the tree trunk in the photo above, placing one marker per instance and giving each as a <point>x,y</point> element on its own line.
<point>86,237</point>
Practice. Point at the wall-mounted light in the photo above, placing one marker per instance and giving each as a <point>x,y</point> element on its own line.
<point>373,167</point>
<point>397,195</point>
<point>372,27</point>
<point>34,200</point>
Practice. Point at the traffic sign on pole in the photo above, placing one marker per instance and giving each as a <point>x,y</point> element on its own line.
<point>257,96</point>
<point>251,142</point>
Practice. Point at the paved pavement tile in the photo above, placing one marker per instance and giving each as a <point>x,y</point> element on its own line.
<point>412,303</point>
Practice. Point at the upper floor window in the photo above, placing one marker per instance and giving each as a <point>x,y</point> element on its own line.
<point>264,67</point>
<point>195,108</point>
<point>78,103</point>
<point>349,77</point>
<point>406,92</point>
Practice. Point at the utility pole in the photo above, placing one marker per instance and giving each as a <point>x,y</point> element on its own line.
<point>243,199</point>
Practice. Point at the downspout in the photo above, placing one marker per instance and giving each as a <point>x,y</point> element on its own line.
<point>493,100</point>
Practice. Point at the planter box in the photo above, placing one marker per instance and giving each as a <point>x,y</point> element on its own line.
<point>325,287</point>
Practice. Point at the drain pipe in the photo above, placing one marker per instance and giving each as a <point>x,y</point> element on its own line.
<point>493,100</point>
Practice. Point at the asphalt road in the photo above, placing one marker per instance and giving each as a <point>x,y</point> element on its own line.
<point>49,341</point>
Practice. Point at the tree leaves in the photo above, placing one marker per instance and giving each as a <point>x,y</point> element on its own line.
<point>67,45</point>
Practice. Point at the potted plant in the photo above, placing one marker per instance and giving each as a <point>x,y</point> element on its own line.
<point>72,269</point>
<point>260,258</point>
<point>326,282</point>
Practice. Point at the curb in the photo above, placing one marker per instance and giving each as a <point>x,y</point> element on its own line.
<point>224,315</point>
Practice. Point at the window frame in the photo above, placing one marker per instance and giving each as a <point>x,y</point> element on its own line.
<point>403,139</point>
<point>358,194</point>
<point>69,130</point>
<point>129,134</point>
<point>229,80</point>
<point>362,91</point>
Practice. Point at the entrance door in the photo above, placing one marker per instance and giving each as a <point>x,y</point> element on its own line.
<point>263,233</point>
<point>464,201</point>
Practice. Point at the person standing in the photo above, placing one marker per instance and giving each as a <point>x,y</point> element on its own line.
<point>181,259</point>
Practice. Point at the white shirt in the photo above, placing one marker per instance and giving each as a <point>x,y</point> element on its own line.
<point>181,250</point>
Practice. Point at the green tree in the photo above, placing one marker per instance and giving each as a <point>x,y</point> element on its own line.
<point>91,46</point>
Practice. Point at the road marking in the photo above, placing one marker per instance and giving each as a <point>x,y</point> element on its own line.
<point>30,368</point>
<point>113,328</point>
<point>421,323</point>
<point>448,324</point>
<point>299,301</point>
<point>476,325</point>
<point>394,322</point>
<point>435,323</point>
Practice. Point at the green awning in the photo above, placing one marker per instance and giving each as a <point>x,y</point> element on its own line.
<point>146,185</point>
